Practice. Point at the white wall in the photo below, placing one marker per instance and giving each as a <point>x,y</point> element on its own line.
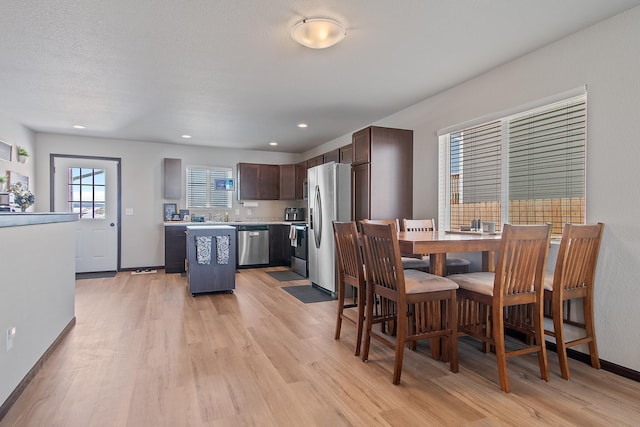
<point>142,190</point>
<point>606,58</point>
<point>15,134</point>
<point>37,295</point>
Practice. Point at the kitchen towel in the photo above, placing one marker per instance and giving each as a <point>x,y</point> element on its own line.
<point>293,236</point>
<point>203,249</point>
<point>222,249</point>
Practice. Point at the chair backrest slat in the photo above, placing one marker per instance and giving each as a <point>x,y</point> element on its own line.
<point>382,256</point>
<point>348,249</point>
<point>418,225</point>
<point>578,256</point>
<point>522,259</point>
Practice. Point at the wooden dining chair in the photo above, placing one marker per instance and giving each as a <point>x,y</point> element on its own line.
<point>425,304</point>
<point>518,280</point>
<point>413,262</point>
<point>573,279</point>
<point>350,273</point>
<point>455,265</point>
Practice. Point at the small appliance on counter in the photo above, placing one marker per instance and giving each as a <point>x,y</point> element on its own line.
<point>6,201</point>
<point>294,214</point>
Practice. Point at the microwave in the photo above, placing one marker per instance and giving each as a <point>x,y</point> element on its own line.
<point>6,199</point>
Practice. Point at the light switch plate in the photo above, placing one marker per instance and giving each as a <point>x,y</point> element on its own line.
<point>128,211</point>
<point>11,332</point>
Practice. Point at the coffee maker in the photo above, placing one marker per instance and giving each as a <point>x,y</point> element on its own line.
<point>294,214</point>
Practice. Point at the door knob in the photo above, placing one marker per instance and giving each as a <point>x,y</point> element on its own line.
<point>112,224</point>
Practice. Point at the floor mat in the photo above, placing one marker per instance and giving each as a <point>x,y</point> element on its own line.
<point>96,275</point>
<point>285,276</point>
<point>308,294</point>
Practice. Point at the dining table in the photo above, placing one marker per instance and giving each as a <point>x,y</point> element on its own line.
<point>437,244</point>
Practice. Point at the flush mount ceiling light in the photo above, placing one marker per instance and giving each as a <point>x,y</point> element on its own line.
<point>318,33</point>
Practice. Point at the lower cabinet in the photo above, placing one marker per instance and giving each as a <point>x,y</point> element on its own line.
<point>175,248</point>
<point>279,245</point>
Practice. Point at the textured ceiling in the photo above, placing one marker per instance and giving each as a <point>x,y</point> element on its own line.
<point>228,73</point>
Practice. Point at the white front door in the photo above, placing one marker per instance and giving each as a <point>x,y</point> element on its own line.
<point>89,187</point>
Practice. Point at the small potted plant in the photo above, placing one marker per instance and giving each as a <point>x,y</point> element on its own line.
<point>3,181</point>
<point>23,155</point>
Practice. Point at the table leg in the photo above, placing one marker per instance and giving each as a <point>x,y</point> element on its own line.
<point>438,264</point>
<point>488,261</point>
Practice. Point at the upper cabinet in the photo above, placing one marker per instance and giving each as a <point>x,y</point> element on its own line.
<point>315,161</point>
<point>288,182</point>
<point>382,174</point>
<point>258,181</point>
<point>172,178</point>
<point>346,154</point>
<point>332,156</point>
<point>301,178</point>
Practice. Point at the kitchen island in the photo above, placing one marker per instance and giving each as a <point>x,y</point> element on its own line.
<point>37,293</point>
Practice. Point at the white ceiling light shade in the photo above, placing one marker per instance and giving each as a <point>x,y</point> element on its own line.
<point>318,33</point>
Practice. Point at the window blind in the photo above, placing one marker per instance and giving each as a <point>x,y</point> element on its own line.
<point>201,192</point>
<point>475,168</point>
<point>527,168</point>
<point>547,164</point>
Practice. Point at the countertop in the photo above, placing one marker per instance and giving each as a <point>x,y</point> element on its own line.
<point>17,219</point>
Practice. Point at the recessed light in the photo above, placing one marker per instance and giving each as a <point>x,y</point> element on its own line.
<point>186,136</point>
<point>78,127</point>
<point>273,143</point>
<point>302,125</point>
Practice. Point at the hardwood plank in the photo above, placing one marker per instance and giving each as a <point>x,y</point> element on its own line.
<point>144,352</point>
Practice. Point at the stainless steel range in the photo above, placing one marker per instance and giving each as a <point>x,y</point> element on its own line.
<point>299,250</point>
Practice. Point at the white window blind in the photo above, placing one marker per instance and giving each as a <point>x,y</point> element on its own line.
<point>201,192</point>
<point>527,168</point>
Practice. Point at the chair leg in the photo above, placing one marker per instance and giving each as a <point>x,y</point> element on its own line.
<point>498,336</point>
<point>453,335</point>
<point>340,309</point>
<point>361,316</point>
<point>368,323</point>
<point>589,325</point>
<point>401,333</point>
<point>558,334</point>
<point>538,321</point>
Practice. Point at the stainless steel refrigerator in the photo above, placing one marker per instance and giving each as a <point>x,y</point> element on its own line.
<point>329,196</point>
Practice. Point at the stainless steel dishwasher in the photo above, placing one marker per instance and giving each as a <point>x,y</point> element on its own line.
<point>253,245</point>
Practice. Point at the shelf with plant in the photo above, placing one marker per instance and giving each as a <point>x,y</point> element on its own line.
<point>23,154</point>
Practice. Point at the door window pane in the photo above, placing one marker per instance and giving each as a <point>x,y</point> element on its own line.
<point>86,190</point>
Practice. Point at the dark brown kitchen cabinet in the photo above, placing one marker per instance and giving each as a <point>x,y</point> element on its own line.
<point>331,156</point>
<point>301,178</point>
<point>175,248</point>
<point>346,154</point>
<point>382,174</point>
<point>288,182</point>
<point>279,245</point>
<point>315,161</point>
<point>258,181</point>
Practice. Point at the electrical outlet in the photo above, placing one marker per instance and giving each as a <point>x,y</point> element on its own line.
<point>11,332</point>
<point>237,211</point>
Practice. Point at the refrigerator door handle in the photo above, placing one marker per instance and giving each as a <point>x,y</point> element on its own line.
<point>317,230</point>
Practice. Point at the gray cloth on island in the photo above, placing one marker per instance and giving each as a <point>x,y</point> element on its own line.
<point>203,249</point>
<point>222,249</point>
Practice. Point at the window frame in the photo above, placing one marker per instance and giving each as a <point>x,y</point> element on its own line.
<point>209,186</point>
<point>445,177</point>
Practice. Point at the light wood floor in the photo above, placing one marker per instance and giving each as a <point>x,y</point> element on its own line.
<point>146,353</point>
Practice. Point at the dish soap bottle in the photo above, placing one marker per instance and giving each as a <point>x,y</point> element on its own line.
<point>226,217</point>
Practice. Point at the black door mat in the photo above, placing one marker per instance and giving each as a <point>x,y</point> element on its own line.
<point>96,275</point>
<point>285,276</point>
<point>308,294</point>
